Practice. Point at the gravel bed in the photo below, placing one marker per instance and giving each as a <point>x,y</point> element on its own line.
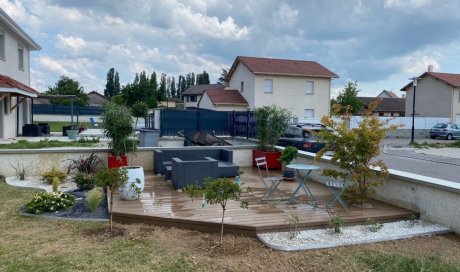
<point>36,182</point>
<point>324,238</point>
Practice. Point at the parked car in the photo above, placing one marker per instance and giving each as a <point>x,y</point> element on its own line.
<point>448,131</point>
<point>301,138</point>
<point>316,127</point>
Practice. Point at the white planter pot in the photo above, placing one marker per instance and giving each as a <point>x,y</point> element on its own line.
<point>134,173</point>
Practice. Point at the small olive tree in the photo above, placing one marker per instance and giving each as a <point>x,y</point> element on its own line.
<point>271,122</point>
<point>355,149</point>
<point>218,191</point>
<point>112,179</point>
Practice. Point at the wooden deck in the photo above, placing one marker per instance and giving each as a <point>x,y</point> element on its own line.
<point>160,204</point>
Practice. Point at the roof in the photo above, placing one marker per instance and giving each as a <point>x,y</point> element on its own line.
<point>387,104</point>
<point>200,88</point>
<point>268,66</point>
<point>226,97</point>
<point>387,94</point>
<point>97,99</point>
<point>5,18</point>
<point>450,79</point>
<point>9,85</point>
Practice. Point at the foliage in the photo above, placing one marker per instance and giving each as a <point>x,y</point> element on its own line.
<point>117,125</point>
<point>112,87</point>
<point>293,222</point>
<point>46,143</point>
<point>139,110</point>
<point>84,181</point>
<point>288,154</point>
<point>218,191</point>
<point>112,179</point>
<point>337,223</point>
<point>223,75</point>
<point>143,89</point>
<point>392,262</point>
<point>20,171</point>
<point>56,184</point>
<point>48,176</point>
<point>373,225</point>
<point>355,150</point>
<point>347,99</point>
<point>68,86</point>
<point>271,122</point>
<point>84,165</point>
<point>193,191</point>
<point>50,202</point>
<point>94,199</point>
<point>202,78</point>
<point>2,178</point>
<point>425,144</point>
<point>412,218</point>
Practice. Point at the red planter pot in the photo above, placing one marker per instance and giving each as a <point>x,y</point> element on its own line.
<point>272,158</point>
<point>116,162</point>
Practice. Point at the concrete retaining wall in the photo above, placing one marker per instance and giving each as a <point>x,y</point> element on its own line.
<point>436,200</point>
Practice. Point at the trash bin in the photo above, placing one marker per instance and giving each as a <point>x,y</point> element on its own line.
<point>149,137</point>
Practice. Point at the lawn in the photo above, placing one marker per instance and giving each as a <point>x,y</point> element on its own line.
<point>57,126</point>
<point>46,143</point>
<point>33,244</point>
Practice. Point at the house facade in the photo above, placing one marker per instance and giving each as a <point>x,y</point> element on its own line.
<point>303,87</point>
<point>15,93</point>
<point>437,95</point>
<point>223,100</point>
<point>390,107</point>
<point>193,94</point>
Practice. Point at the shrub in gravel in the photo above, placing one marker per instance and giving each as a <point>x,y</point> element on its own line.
<point>50,202</point>
<point>48,176</point>
<point>94,199</point>
<point>337,223</point>
<point>85,181</point>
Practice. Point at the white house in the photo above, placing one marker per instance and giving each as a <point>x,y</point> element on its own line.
<point>222,100</point>
<point>436,95</point>
<point>303,87</point>
<point>193,94</point>
<point>15,93</point>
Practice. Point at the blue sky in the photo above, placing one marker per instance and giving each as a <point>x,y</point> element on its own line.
<point>380,44</point>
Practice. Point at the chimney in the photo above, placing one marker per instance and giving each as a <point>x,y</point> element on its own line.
<point>430,68</point>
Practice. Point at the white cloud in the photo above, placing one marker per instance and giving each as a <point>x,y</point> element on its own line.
<point>406,3</point>
<point>285,16</point>
<point>418,62</point>
<point>70,42</point>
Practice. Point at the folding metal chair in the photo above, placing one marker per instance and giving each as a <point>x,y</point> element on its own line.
<point>338,187</point>
<point>271,182</point>
<point>93,123</point>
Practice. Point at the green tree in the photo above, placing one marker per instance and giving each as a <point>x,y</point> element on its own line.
<point>173,87</point>
<point>355,150</point>
<point>162,90</point>
<point>347,99</point>
<point>68,86</point>
<point>202,78</point>
<point>112,87</point>
<point>140,90</point>
<point>223,75</point>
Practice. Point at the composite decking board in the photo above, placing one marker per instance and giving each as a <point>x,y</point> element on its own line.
<point>161,204</point>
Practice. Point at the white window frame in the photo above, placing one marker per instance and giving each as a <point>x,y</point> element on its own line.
<point>308,90</point>
<point>2,45</point>
<point>268,86</point>
<point>305,115</point>
<point>20,57</point>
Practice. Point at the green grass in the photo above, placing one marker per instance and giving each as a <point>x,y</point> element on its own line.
<point>391,262</point>
<point>46,143</point>
<point>436,145</point>
<point>57,126</point>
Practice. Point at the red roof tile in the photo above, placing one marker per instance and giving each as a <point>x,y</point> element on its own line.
<point>8,82</point>
<point>450,79</point>
<point>200,88</point>
<point>227,97</point>
<point>286,67</point>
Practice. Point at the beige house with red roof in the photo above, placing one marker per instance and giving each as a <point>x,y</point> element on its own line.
<point>223,100</point>
<point>437,95</point>
<point>15,93</point>
<point>303,87</point>
<point>193,94</point>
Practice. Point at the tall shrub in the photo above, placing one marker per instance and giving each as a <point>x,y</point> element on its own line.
<point>271,123</point>
<point>118,126</point>
<point>355,150</point>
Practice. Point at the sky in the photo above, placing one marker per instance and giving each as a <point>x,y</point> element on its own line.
<point>378,43</point>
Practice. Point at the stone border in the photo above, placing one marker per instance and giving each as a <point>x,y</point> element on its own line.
<point>31,215</point>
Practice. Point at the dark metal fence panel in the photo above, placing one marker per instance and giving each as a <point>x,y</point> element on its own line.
<point>215,122</point>
<point>173,121</point>
<point>244,124</point>
<point>66,109</point>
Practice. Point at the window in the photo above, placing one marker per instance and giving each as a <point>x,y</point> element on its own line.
<point>20,57</point>
<point>6,106</point>
<point>242,86</point>
<point>268,86</point>
<point>310,87</point>
<point>193,98</point>
<point>309,113</point>
<point>2,44</point>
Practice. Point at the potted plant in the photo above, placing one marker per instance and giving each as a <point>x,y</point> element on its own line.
<point>271,123</point>
<point>117,125</point>
<point>287,155</point>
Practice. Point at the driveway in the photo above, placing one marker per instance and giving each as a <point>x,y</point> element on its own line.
<point>442,163</point>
